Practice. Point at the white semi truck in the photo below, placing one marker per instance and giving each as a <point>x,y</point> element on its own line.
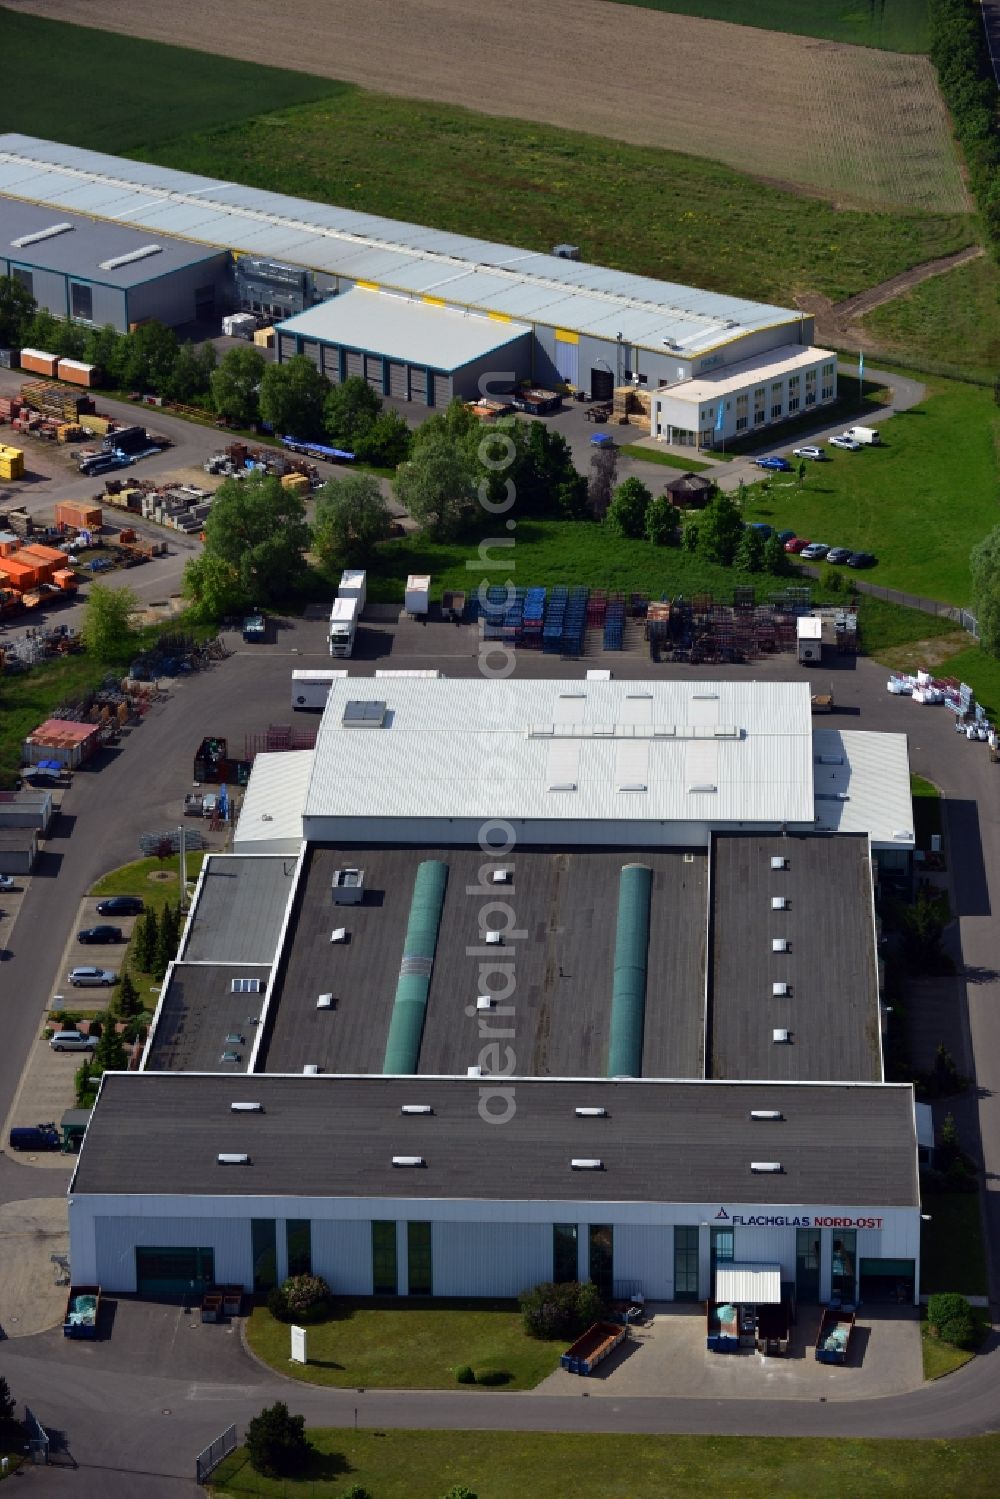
<point>343,626</point>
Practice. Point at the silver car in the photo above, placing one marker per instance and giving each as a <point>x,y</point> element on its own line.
<point>72,1041</point>
<point>88,977</point>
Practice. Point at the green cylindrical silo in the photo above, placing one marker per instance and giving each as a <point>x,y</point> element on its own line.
<point>628,1000</point>
<point>402,1047</point>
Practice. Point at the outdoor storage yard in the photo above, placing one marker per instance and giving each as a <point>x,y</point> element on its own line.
<point>852,122</point>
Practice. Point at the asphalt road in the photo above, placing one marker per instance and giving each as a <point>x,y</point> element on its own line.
<point>126,1414</point>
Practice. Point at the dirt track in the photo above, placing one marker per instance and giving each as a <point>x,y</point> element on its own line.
<point>837,323</point>
<point>856,124</point>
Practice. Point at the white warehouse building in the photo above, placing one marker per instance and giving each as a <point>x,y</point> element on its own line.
<point>515,981</point>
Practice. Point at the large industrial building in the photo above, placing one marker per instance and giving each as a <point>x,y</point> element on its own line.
<point>554,320</point>
<point>518,980</point>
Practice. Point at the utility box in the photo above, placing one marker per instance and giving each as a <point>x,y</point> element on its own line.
<point>809,635</point>
<point>348,887</point>
<point>417,598</point>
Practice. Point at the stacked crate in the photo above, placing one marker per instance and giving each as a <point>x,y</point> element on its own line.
<point>534,617</point>
<point>575,621</point>
<point>555,614</point>
<point>614,624</point>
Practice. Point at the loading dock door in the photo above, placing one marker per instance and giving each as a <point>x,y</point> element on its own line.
<point>331,363</point>
<point>310,349</point>
<point>397,381</point>
<point>568,362</point>
<point>887,1280</point>
<point>373,372</point>
<point>602,385</point>
<point>173,1272</point>
<point>418,385</point>
<point>286,345</point>
<point>355,364</point>
<point>442,391</point>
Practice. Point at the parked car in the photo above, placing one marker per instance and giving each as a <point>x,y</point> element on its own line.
<point>72,1041</point>
<point>7,882</point>
<point>850,444</point>
<point>797,544</point>
<point>87,977</point>
<point>100,934</point>
<point>785,537</point>
<point>861,559</point>
<point>809,451</point>
<point>838,555</point>
<point>762,526</point>
<point>814,552</point>
<point>780,465</point>
<point>120,905</point>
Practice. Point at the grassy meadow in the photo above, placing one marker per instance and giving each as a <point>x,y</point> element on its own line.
<point>894,25</point>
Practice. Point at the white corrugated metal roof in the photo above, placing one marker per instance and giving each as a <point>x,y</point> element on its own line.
<point>862,785</point>
<point>773,365</point>
<point>491,277</point>
<point>748,1285</point>
<point>475,748</point>
<point>405,330</point>
<point>274,799</point>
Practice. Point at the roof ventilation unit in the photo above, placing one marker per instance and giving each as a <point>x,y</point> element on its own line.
<point>339,933</point>
<point>494,939</point>
<point>348,886</point>
<point>416,1108</point>
<point>562,786</point>
<point>766,1114</point>
<point>360,714</point>
<point>586,1163</point>
<point>408,1160</point>
<point>247,1108</point>
<point>228,1158</point>
<point>484,1002</point>
<point>143,253</point>
<point>781,1037</point>
<point>777,862</point>
<point>325,1002</point>
<point>566,252</point>
<point>474,1071</point>
<point>780,990</point>
<point>500,876</point>
<point>779,944</point>
<point>232,1057</point>
<point>706,789</point>
<point>771,1167</point>
<point>591,1113</point>
<point>780,903</point>
<point>39,235</point>
<point>311,1069</point>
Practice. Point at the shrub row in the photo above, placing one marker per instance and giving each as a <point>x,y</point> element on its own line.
<point>960,54</point>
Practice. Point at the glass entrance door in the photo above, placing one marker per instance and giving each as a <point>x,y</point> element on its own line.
<point>807,1264</point>
<point>685,1263</point>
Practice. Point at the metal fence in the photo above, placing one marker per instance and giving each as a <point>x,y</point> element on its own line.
<point>38,1438</point>
<point>961,617</point>
<point>212,1456</point>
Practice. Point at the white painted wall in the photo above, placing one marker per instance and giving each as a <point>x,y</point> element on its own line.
<point>484,1259</point>
<point>644,1252</point>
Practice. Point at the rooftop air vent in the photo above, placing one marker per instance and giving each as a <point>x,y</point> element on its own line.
<point>246,986</point>
<point>494,939</point>
<point>562,786</point>
<point>586,1163</point>
<point>779,903</point>
<point>143,253</point>
<point>705,697</point>
<point>771,1167</point>
<point>408,1160</point>
<point>39,235</point>
<point>779,944</point>
<point>311,1069</point>
<point>230,1057</point>
<point>781,991</point>
<point>766,1114</point>
<point>474,1071</point>
<point>702,790</point>
<point>777,862</point>
<point>235,1039</point>
<point>229,1158</point>
<point>363,713</point>
<point>633,786</point>
<point>348,886</point>
<point>325,1002</point>
<point>339,934</point>
<point>247,1108</point>
<point>781,1037</point>
<point>484,1002</point>
<point>500,876</point>
<point>416,1108</point>
<point>591,1113</point>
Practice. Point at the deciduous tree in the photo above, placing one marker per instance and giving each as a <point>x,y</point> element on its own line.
<point>292,396</point>
<point>627,512</point>
<point>108,630</point>
<point>255,540</point>
<point>17,308</point>
<point>437,485</point>
<point>351,518</point>
<point>663,522</point>
<point>235,385</point>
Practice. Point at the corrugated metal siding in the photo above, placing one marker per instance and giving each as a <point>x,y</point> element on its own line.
<point>645,1253</point>
<point>373,371</point>
<point>490,1259</point>
<point>397,381</point>
<point>342,1254</point>
<point>418,384</point>
<point>442,390</point>
<point>766,1246</point>
<point>286,346</point>
<point>331,363</point>
<point>355,364</point>
<point>311,351</point>
<point>116,1240</point>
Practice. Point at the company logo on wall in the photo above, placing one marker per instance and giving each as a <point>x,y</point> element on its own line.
<point>722,1215</point>
<point>785,1220</point>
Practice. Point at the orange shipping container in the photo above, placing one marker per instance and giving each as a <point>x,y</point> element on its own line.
<point>38,362</point>
<point>65,579</point>
<point>80,514</point>
<point>76,372</point>
<point>21,575</point>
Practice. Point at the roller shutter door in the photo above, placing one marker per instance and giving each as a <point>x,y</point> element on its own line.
<point>373,372</point>
<point>311,351</point>
<point>442,390</point>
<point>568,362</point>
<point>418,385</point>
<point>286,345</point>
<point>331,363</point>
<point>355,364</point>
<point>397,381</point>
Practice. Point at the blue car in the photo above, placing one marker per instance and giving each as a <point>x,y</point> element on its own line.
<point>780,465</point>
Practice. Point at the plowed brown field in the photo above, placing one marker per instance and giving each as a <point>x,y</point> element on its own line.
<point>854,124</point>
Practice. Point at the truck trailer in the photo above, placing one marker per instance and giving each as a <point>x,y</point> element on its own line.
<point>354,585</point>
<point>310,689</point>
<point>343,626</point>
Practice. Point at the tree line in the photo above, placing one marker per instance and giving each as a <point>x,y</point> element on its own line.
<point>960,55</point>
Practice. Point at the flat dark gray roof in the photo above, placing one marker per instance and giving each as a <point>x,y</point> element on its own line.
<point>689,1142</point>
<point>199,1012</point>
<point>238,915</point>
<point>79,251</point>
<point>831,1012</point>
<point>564,901</point>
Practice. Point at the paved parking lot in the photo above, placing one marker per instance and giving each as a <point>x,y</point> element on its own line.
<point>669,1358</point>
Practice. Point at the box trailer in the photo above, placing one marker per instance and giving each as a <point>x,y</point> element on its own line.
<point>868,435</point>
<point>310,689</point>
<point>343,626</point>
<point>354,585</point>
<point>417,598</point>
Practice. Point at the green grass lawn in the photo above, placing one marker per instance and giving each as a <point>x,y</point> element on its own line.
<point>920,502</point>
<point>637,208</point>
<point>952,1252</point>
<point>27,700</point>
<point>668,460</point>
<point>895,25</point>
<point>950,323</point>
<point>402,1345</point>
<point>549,1465</point>
<point>116,93</point>
<point>944,1358</point>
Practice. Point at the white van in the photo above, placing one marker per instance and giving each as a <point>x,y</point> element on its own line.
<point>867,435</point>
